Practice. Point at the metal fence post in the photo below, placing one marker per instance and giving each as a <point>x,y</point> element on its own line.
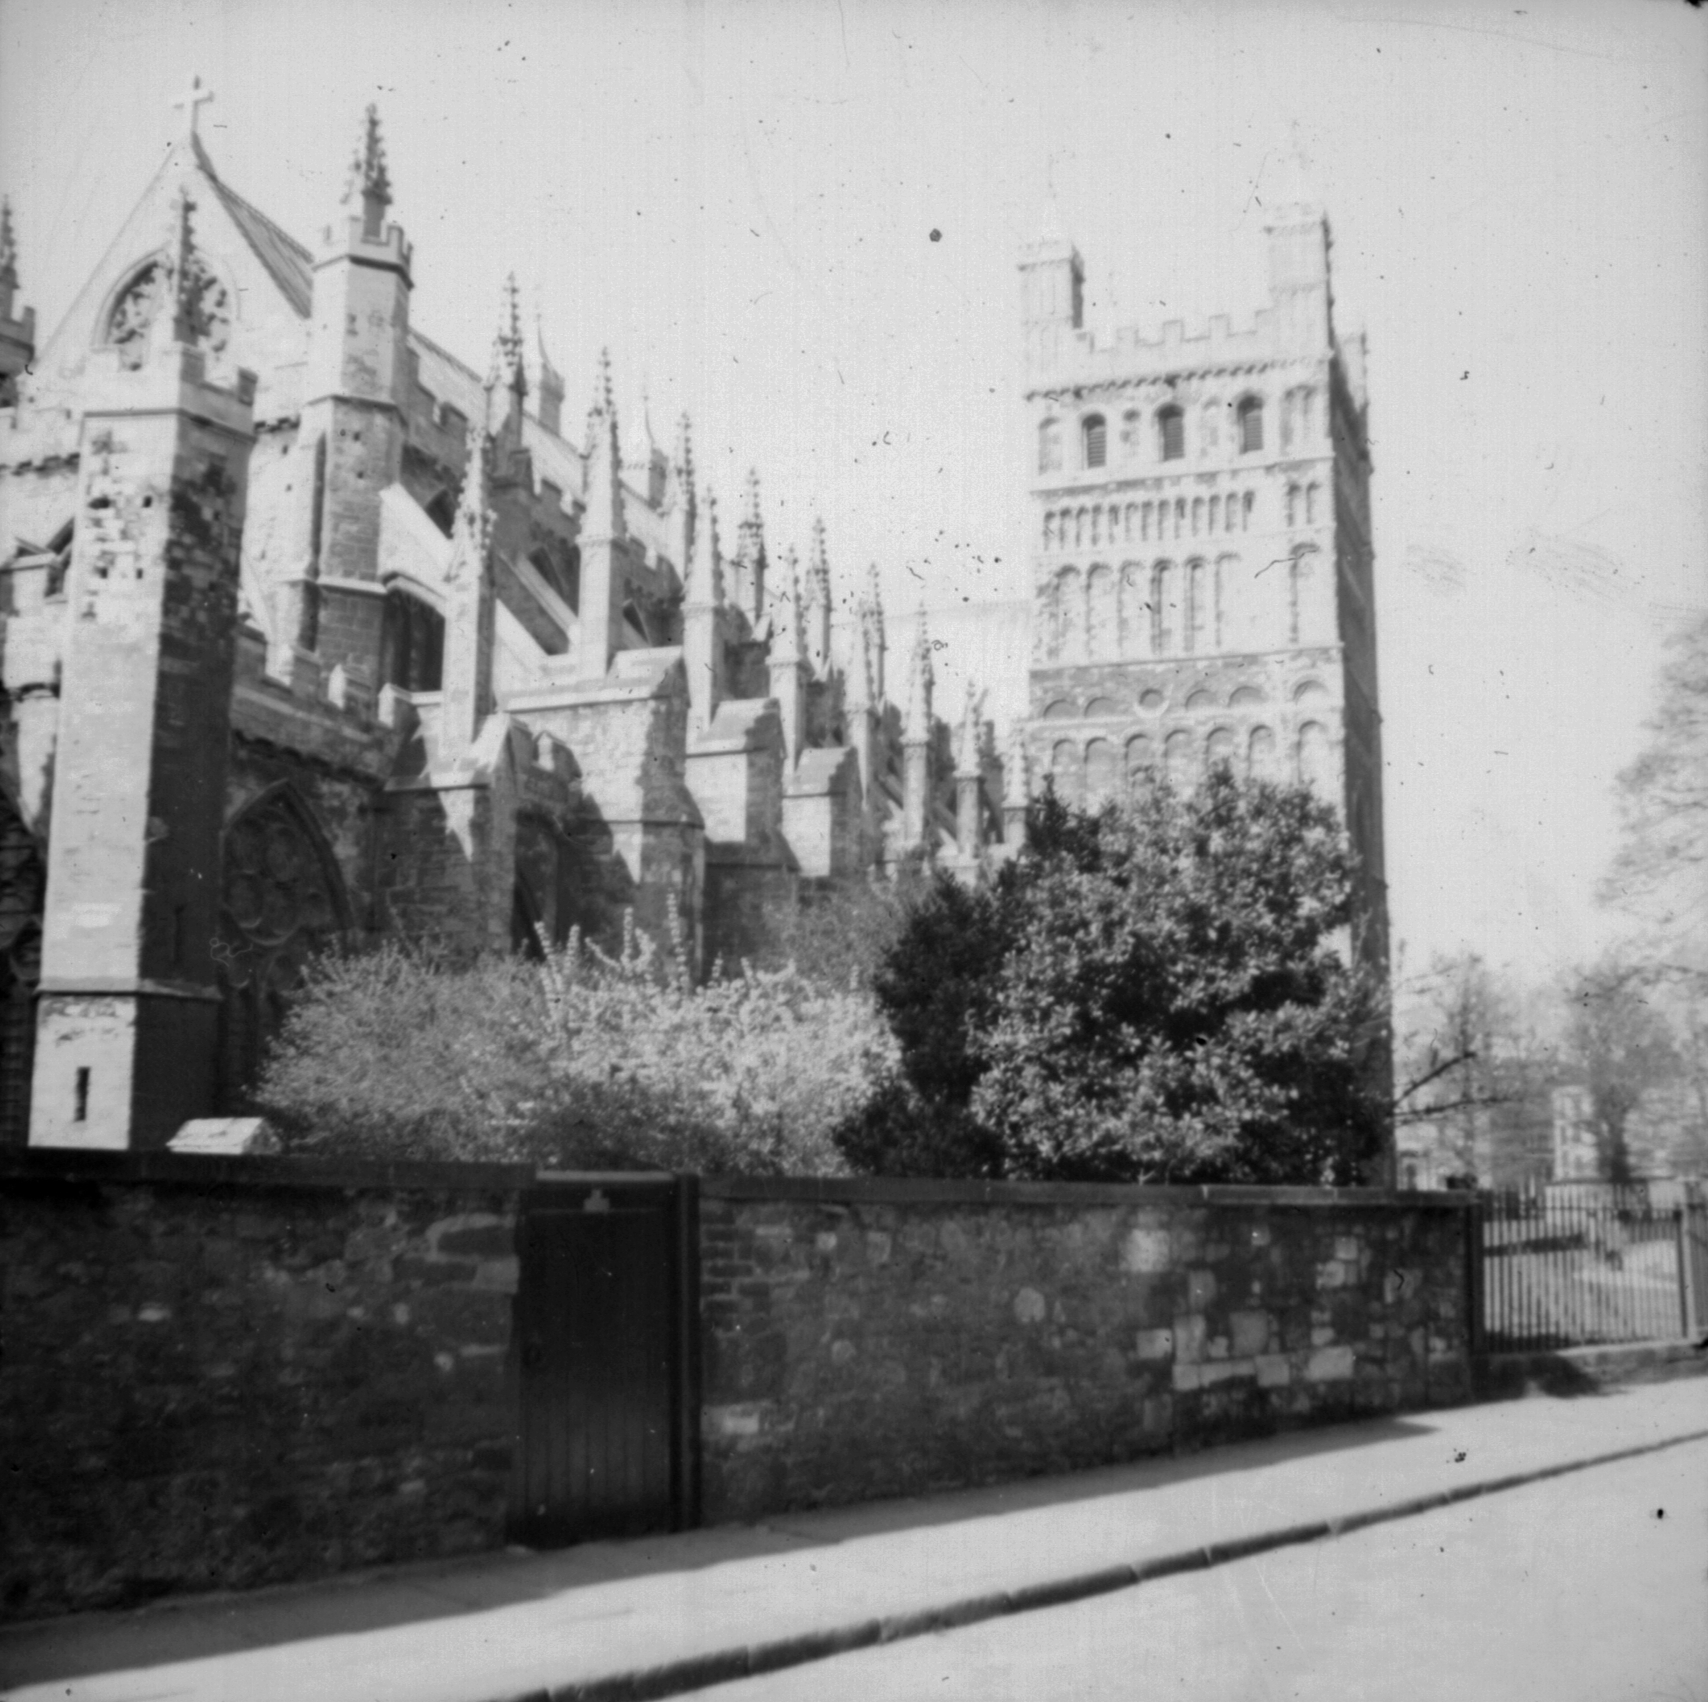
<point>1474,1238</point>
<point>1689,1300</point>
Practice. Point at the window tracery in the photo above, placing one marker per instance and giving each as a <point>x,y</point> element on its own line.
<point>131,320</point>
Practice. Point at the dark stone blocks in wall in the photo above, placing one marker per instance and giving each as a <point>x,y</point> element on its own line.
<point>219,1387</point>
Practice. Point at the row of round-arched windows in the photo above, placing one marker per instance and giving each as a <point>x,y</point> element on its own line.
<point>1161,434</point>
<point>1091,774</point>
<point>1191,608</point>
<point>1198,701</point>
<point>1166,609</point>
<point>1163,520</point>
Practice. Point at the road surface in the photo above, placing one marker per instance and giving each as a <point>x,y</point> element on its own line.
<point>1591,1587</point>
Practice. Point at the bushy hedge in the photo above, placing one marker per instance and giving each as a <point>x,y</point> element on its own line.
<point>583,1061</point>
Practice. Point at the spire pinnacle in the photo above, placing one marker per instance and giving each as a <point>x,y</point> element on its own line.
<point>548,373</point>
<point>507,344</point>
<point>1017,768</point>
<point>818,565</point>
<point>968,762</point>
<point>705,583</point>
<point>176,323</point>
<point>8,260</point>
<point>685,452</point>
<point>1290,184</point>
<point>916,720</point>
<point>604,398</point>
<point>368,176</point>
<point>8,247</point>
<point>473,525</point>
<point>786,612</point>
<point>751,517</point>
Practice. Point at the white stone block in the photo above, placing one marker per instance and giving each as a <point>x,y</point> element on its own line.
<point>227,1137</point>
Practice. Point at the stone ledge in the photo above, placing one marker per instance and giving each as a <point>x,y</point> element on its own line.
<point>862,1190</point>
<point>1583,1370</point>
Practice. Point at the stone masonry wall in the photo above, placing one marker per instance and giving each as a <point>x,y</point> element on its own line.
<point>866,1339</point>
<point>209,1382</point>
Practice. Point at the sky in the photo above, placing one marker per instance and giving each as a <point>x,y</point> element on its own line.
<point>800,221</point>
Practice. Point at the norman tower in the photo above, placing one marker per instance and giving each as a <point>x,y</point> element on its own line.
<point>1199,530</point>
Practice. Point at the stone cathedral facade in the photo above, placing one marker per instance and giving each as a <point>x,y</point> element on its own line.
<point>312,630</point>
<point>1198,511</point>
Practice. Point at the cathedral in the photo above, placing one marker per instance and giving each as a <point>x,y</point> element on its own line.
<point>313,632</point>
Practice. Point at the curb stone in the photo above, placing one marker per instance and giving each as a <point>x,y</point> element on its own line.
<point>699,1672</point>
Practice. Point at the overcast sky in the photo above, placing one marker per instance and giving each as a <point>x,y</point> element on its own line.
<point>799,221</point>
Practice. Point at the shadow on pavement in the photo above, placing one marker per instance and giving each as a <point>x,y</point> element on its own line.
<point>193,1628</point>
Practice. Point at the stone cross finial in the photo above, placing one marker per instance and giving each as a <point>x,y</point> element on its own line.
<point>192,98</point>
<point>368,176</point>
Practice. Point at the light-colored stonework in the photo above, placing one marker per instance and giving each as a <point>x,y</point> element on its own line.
<point>311,630</point>
<point>1199,524</point>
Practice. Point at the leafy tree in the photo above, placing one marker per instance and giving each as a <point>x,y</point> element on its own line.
<point>1475,1073</point>
<point>1660,873</point>
<point>1618,1037</point>
<point>1152,992</point>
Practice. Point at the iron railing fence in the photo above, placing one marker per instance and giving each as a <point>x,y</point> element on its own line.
<point>1580,1266</point>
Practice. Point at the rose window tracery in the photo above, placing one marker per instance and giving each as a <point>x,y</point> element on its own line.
<point>131,322</point>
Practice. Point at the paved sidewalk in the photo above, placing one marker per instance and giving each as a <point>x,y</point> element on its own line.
<point>658,1615</point>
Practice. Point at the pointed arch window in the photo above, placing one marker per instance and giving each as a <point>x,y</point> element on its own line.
<point>283,899</point>
<point>412,643</point>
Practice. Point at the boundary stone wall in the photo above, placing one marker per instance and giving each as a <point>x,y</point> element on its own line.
<point>221,1373</point>
<point>865,1339</point>
<point>218,1373</point>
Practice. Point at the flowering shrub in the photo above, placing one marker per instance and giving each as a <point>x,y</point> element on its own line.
<point>584,1060</point>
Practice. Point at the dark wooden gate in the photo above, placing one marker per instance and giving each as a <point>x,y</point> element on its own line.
<point>607,1442</point>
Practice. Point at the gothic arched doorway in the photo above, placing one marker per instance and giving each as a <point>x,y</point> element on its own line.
<point>283,899</point>
<point>23,881</point>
